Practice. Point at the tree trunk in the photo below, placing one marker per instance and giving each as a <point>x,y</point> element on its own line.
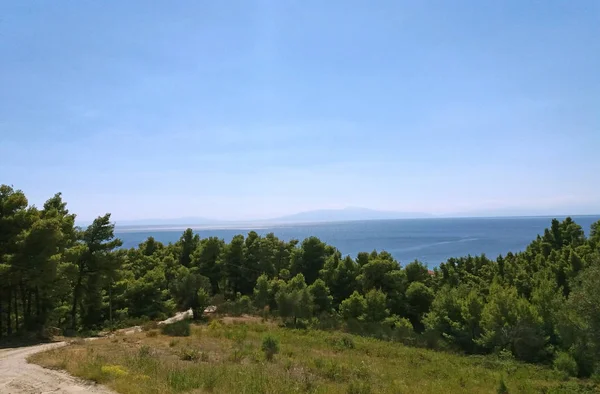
<point>16,311</point>
<point>37,302</point>
<point>1,332</point>
<point>8,314</point>
<point>110,304</point>
<point>29,306</point>
<point>25,319</point>
<point>76,291</point>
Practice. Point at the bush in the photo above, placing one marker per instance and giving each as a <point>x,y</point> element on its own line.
<point>215,325</point>
<point>565,363</point>
<point>331,369</point>
<point>189,355</point>
<point>145,351</point>
<point>243,305</point>
<point>115,371</point>
<point>326,321</point>
<point>341,342</point>
<point>177,329</point>
<point>270,346</point>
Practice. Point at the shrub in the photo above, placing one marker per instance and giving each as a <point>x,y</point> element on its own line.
<point>189,355</point>
<point>331,369</point>
<point>177,329</point>
<point>402,328</point>
<point>238,334</point>
<point>244,305</point>
<point>215,325</point>
<point>145,351</point>
<point>327,321</point>
<point>217,300</point>
<point>506,355</point>
<point>566,364</point>
<point>270,346</point>
<point>341,342</point>
<point>116,371</point>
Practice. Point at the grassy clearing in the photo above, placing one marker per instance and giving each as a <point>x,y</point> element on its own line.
<point>230,358</point>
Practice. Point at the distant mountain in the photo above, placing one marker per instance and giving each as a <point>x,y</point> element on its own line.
<point>346,214</point>
<point>317,216</point>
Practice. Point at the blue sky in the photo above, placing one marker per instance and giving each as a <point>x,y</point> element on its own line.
<point>253,109</point>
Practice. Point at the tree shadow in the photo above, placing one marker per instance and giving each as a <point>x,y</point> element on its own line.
<point>18,341</point>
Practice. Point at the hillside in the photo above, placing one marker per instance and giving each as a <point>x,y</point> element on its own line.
<point>226,357</point>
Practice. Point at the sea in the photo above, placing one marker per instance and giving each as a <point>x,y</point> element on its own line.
<point>430,241</point>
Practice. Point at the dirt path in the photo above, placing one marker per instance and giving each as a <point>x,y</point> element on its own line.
<point>17,376</point>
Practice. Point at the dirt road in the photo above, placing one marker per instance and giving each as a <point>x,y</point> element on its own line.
<point>19,377</point>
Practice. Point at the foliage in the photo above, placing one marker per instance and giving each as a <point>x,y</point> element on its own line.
<point>354,307</point>
<point>565,363</point>
<point>540,304</point>
<point>270,346</point>
<point>322,300</point>
<point>189,354</point>
<point>376,306</point>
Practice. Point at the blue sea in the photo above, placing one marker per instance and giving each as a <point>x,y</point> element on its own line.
<point>431,241</point>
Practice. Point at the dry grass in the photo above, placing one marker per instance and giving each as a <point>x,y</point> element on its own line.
<point>227,358</point>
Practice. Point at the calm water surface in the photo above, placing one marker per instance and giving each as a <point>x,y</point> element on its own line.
<point>429,240</point>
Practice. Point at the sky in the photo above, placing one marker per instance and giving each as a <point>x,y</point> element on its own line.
<point>255,109</point>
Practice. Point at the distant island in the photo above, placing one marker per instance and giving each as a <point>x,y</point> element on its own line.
<point>314,216</point>
<point>347,214</point>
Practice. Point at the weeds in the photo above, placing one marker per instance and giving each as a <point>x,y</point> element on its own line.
<point>359,387</point>
<point>502,388</point>
<point>308,361</point>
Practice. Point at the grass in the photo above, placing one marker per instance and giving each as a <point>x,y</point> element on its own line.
<point>228,358</point>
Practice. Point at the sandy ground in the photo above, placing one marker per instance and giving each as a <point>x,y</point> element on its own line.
<point>17,376</point>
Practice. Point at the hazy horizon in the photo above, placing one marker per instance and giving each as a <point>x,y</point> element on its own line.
<point>327,216</point>
<point>256,110</point>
